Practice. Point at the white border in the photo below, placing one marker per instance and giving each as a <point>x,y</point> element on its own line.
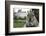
<point>29,28</point>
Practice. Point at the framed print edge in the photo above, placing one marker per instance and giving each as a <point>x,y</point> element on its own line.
<point>7,18</point>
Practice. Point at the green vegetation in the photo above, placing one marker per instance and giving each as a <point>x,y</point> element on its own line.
<point>19,22</point>
<point>19,18</point>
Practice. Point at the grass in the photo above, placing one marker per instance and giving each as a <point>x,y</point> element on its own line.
<point>19,23</point>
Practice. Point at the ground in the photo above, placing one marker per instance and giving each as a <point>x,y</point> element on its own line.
<point>19,23</point>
